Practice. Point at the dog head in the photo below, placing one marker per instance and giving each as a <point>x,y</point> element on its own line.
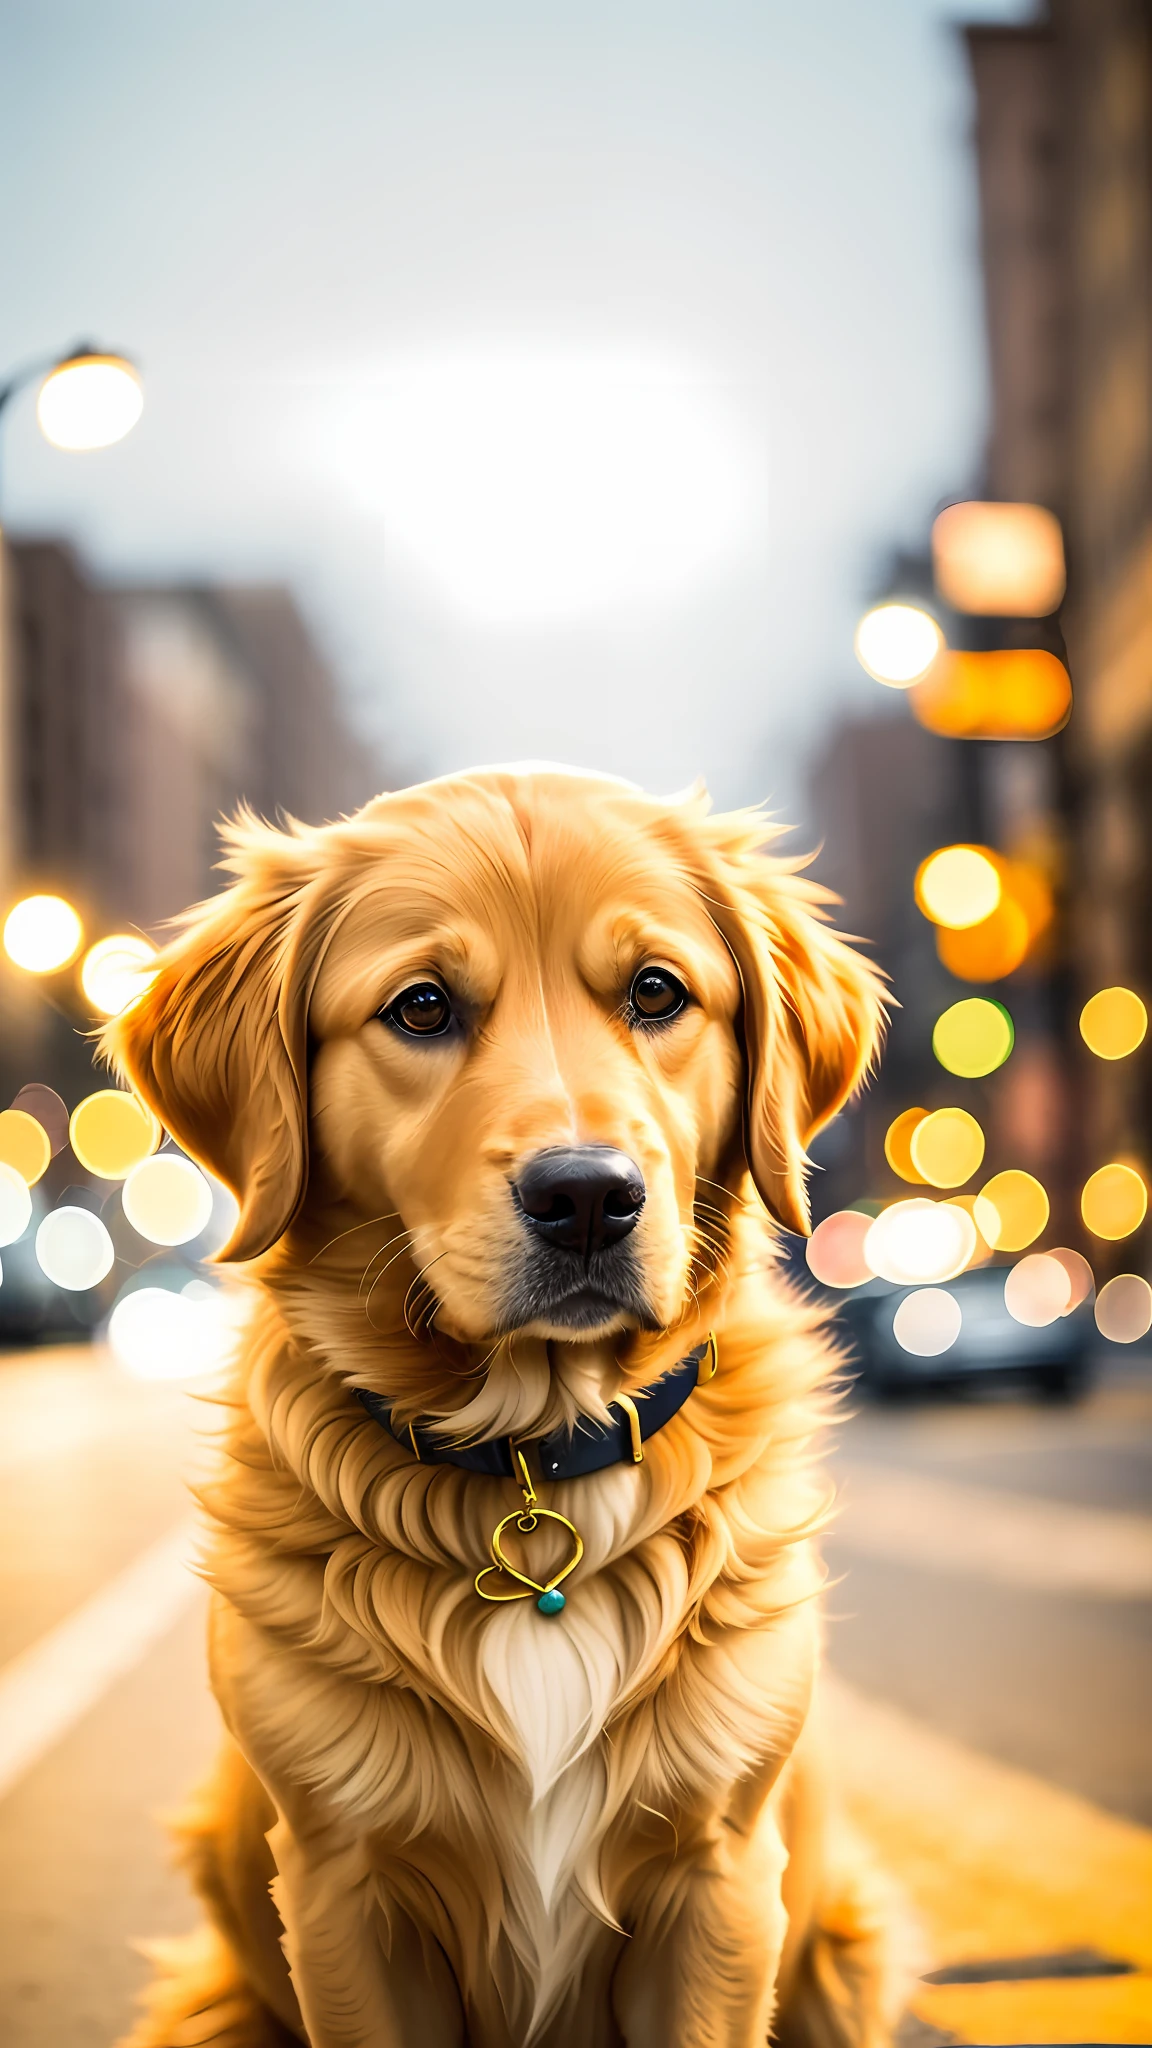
<point>539,1025</point>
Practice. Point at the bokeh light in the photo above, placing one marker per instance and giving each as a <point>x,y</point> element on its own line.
<point>1124,1309</point>
<point>897,644</point>
<point>958,886</point>
<point>42,934</point>
<point>24,1144</point>
<point>167,1199</point>
<point>898,1144</point>
<point>990,950</point>
<point>1003,561</point>
<point>1113,1023</point>
<point>1007,693</point>
<point>1114,1201</point>
<point>947,1147</point>
<point>835,1250</point>
<point>155,1334</point>
<point>1011,1210</point>
<point>1038,1290</point>
<point>927,1322</point>
<point>112,1132</point>
<point>981,1250</point>
<point>73,1249</point>
<point>89,402</point>
<point>36,1099</point>
<point>15,1204</point>
<point>115,971</point>
<point>973,1037</point>
<point>919,1241</point>
<point>1081,1280</point>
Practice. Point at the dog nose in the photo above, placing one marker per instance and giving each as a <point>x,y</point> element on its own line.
<point>582,1197</point>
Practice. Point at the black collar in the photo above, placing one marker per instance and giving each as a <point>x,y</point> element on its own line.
<point>566,1454</point>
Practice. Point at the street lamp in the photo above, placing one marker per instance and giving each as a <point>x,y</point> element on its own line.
<point>88,398</point>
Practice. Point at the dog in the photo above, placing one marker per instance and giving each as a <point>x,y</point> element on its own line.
<point>515,1618</point>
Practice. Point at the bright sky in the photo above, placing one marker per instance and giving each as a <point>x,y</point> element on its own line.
<point>579,365</point>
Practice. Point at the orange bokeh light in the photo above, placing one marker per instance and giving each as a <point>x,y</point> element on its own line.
<point>999,559</point>
<point>1000,943</point>
<point>898,1143</point>
<point>1011,693</point>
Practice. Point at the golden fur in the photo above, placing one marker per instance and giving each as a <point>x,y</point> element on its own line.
<point>477,1825</point>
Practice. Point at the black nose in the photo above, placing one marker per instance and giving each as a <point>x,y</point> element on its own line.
<point>581,1198</point>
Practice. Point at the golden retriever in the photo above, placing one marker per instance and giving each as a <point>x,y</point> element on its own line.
<point>512,1075</point>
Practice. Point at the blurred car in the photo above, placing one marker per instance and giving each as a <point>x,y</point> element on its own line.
<point>33,1311</point>
<point>1054,1360</point>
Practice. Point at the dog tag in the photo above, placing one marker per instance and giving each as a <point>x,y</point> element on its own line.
<point>550,1599</point>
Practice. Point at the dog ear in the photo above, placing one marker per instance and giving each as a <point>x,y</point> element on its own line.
<point>812,1012</point>
<point>217,1043</point>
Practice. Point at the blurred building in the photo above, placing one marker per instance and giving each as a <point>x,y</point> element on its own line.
<point>131,721</point>
<point>1064,152</point>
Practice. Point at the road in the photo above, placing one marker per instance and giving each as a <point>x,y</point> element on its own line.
<point>994,1579</point>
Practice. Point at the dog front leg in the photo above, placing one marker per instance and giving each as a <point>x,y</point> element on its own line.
<point>360,1984</point>
<point>700,1969</point>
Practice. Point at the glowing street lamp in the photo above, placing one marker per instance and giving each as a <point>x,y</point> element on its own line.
<point>88,398</point>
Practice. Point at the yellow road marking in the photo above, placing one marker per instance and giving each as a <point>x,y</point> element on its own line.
<point>997,1863</point>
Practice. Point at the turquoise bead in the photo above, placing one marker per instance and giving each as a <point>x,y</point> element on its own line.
<point>552,1601</point>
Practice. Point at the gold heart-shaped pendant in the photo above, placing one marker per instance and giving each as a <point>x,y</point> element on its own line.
<point>550,1600</point>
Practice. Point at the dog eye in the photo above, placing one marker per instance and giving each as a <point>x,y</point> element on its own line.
<point>656,996</point>
<point>422,1011</point>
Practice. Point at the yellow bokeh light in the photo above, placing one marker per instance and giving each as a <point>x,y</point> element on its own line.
<point>1008,693</point>
<point>112,1132</point>
<point>973,1037</point>
<point>897,644</point>
<point>24,1144</point>
<point>42,934</point>
<point>958,886</point>
<point>1002,561</point>
<point>1114,1201</point>
<point>947,1147</point>
<point>89,402</point>
<point>167,1199</point>
<point>897,1144</point>
<point>1011,1210</point>
<point>1113,1023</point>
<point>1124,1309</point>
<point>115,971</point>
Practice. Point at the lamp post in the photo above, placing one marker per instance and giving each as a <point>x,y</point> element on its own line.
<point>89,398</point>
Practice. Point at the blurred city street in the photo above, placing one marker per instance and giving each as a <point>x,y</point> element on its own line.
<point>1038,1658</point>
<point>753,402</point>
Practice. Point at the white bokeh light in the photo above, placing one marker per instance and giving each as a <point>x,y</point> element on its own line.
<point>116,970</point>
<point>919,1241</point>
<point>15,1204</point>
<point>155,1334</point>
<point>73,1249</point>
<point>927,1322</point>
<point>527,486</point>
<point>897,644</point>
<point>167,1199</point>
